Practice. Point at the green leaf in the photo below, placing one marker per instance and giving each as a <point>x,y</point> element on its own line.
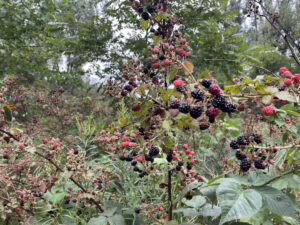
<point>116,220</point>
<point>285,95</point>
<point>97,221</point>
<point>210,210</point>
<point>271,90</point>
<point>187,212</point>
<point>276,201</point>
<point>196,202</point>
<point>237,203</point>
<point>187,188</point>
<point>267,99</point>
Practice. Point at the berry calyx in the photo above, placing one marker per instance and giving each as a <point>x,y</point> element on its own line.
<point>268,111</point>
<point>178,83</point>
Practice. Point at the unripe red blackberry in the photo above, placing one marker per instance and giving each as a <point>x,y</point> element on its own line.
<point>212,112</point>
<point>214,89</point>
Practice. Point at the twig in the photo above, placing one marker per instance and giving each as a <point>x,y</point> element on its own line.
<point>9,134</point>
<point>277,177</point>
<point>170,195</point>
<point>72,179</point>
<point>249,64</point>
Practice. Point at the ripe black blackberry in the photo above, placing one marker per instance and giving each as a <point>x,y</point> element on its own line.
<point>169,157</point>
<point>75,152</point>
<point>142,130</point>
<point>245,165</point>
<point>152,75</point>
<point>243,140</point>
<point>150,9</point>
<point>234,144</point>
<point>133,163</point>
<point>228,107</point>
<point>258,164</point>
<point>180,89</point>
<point>153,151</point>
<point>137,211</point>
<point>239,155</point>
<point>211,119</point>
<point>204,126</point>
<point>264,157</point>
<point>180,163</point>
<point>196,112</point>
<point>5,156</point>
<point>140,10</point>
<point>122,157</point>
<point>197,94</point>
<point>280,88</point>
<point>184,108</point>
<point>189,166</point>
<point>162,57</point>
<point>206,83</point>
<point>136,169</point>
<point>178,168</point>
<point>145,16</point>
<point>219,101</point>
<point>175,104</point>
<point>146,70</point>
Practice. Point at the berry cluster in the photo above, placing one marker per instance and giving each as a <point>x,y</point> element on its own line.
<point>250,157</point>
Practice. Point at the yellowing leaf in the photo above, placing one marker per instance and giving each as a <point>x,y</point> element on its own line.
<point>145,24</point>
<point>188,67</point>
<point>11,107</point>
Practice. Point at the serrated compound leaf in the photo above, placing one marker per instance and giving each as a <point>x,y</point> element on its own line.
<point>285,95</point>
<point>237,203</point>
<point>196,202</point>
<point>98,220</point>
<point>276,201</point>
